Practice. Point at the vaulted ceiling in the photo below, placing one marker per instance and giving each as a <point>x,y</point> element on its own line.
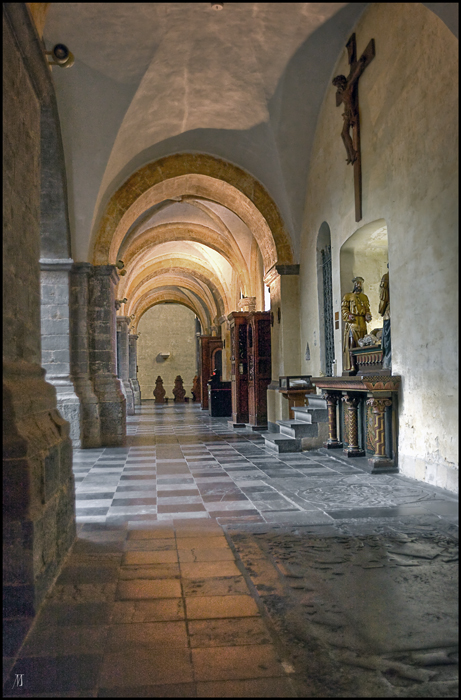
<point>151,80</point>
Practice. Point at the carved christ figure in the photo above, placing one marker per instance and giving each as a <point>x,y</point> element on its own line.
<point>347,94</point>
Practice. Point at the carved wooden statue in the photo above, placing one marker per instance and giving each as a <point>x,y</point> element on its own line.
<point>159,391</point>
<point>179,391</point>
<point>355,312</point>
<point>195,391</point>
<point>385,311</point>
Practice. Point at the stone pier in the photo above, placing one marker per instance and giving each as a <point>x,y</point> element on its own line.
<point>54,313</point>
<point>102,331</point>
<point>90,427</point>
<point>123,369</point>
<point>133,368</point>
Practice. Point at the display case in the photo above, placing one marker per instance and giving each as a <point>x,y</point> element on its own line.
<point>296,382</point>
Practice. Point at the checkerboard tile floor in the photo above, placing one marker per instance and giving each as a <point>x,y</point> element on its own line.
<point>188,465</point>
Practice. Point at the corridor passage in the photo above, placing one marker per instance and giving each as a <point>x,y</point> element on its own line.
<point>206,566</point>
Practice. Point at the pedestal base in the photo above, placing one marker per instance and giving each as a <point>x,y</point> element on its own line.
<point>382,465</point>
<point>332,445</point>
<point>354,452</point>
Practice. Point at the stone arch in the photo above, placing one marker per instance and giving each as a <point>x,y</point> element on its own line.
<point>184,268</point>
<point>193,174</point>
<point>197,233</point>
<point>169,278</point>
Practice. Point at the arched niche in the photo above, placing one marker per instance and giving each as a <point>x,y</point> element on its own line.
<point>365,253</point>
<point>325,299</point>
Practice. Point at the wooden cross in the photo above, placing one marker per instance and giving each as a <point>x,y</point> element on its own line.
<point>347,94</point>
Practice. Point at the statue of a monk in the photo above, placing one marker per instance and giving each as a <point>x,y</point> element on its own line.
<point>355,312</point>
<point>385,311</point>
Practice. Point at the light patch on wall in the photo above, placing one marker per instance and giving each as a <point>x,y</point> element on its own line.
<point>267,299</point>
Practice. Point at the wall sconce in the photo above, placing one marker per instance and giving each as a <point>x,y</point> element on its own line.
<point>217,5</point>
<point>163,356</point>
<point>62,56</point>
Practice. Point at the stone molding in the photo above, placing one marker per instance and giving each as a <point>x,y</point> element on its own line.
<point>56,264</point>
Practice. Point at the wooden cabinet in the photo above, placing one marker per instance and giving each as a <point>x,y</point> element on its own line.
<point>208,346</point>
<point>259,366</point>
<point>238,321</point>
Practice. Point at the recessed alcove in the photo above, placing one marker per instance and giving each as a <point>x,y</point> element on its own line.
<point>365,254</point>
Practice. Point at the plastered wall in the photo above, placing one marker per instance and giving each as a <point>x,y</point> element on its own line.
<point>166,328</point>
<point>408,111</point>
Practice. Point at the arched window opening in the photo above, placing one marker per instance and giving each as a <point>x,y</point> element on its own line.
<point>325,291</point>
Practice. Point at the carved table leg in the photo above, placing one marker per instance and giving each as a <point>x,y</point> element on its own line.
<point>352,405</point>
<point>332,442</point>
<point>380,461</point>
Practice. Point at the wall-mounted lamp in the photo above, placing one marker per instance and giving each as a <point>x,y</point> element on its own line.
<point>164,355</point>
<point>217,5</point>
<point>62,56</point>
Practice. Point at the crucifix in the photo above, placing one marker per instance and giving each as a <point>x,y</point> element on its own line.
<point>347,94</point>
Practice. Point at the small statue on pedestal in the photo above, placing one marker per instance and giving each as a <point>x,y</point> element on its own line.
<point>159,391</point>
<point>178,390</point>
<point>385,311</point>
<point>355,312</point>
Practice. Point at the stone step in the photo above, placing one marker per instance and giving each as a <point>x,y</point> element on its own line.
<point>311,415</point>
<point>276,442</point>
<point>297,428</point>
<point>316,401</point>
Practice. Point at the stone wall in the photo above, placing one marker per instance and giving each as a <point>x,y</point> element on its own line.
<point>409,133</point>
<point>38,485</point>
<point>166,328</point>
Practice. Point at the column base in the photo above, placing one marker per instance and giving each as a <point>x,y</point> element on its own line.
<point>90,423</point>
<point>231,425</point>
<point>332,445</point>
<point>129,396</point>
<point>261,428</point>
<point>39,498</point>
<point>382,465</point>
<point>68,404</point>
<point>354,452</point>
<point>112,409</point>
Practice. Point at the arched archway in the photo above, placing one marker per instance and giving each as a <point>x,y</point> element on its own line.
<point>193,174</point>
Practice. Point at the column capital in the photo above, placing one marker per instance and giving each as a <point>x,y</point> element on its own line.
<point>379,405</point>
<point>82,268</point>
<point>123,319</point>
<point>106,271</point>
<point>331,396</point>
<point>351,400</point>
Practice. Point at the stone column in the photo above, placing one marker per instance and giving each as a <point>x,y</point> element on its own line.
<point>380,460</point>
<point>352,403</point>
<point>79,354</point>
<point>332,399</point>
<point>102,325</point>
<point>123,323</point>
<point>55,327</point>
<point>133,368</point>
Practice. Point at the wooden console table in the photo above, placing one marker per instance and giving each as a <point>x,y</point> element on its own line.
<point>376,391</point>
